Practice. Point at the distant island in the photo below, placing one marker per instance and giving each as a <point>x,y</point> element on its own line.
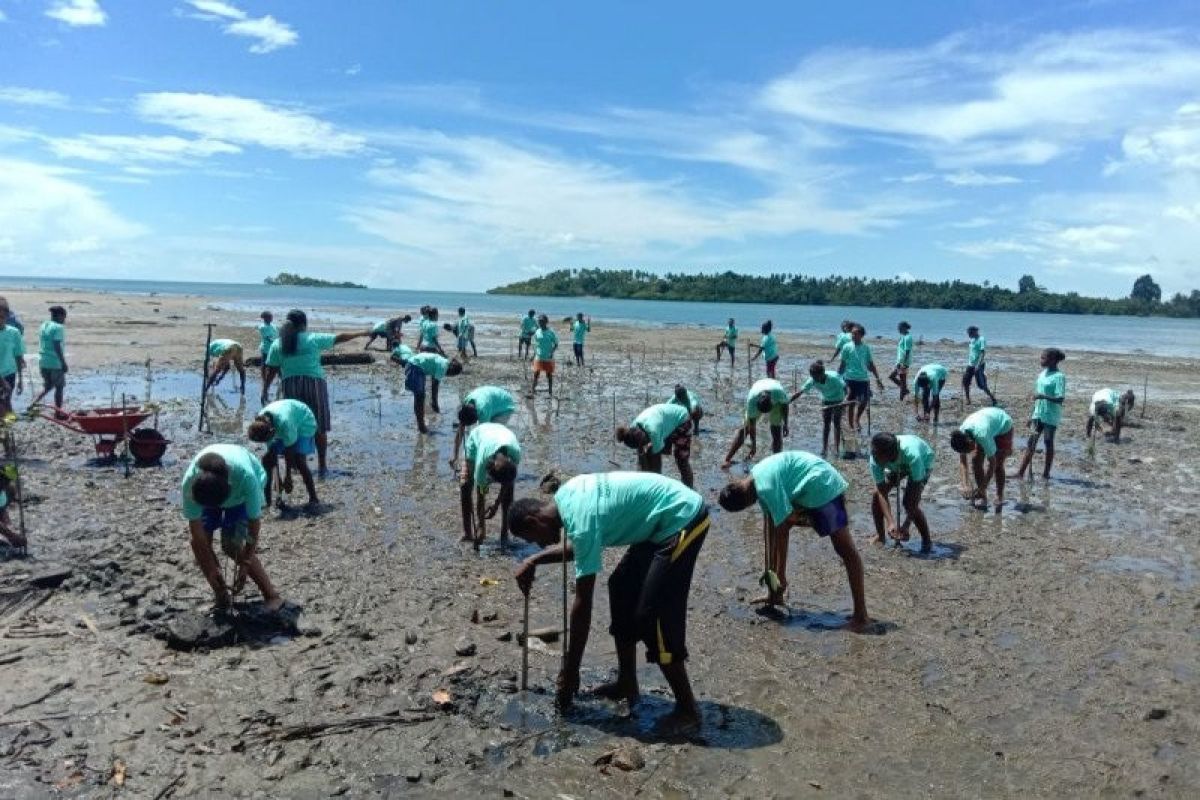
<point>729,287</point>
<point>292,279</point>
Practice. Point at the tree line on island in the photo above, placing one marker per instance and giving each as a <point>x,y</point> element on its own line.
<point>1145,299</point>
<point>292,279</point>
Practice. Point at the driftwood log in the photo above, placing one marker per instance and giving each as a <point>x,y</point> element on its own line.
<point>328,359</point>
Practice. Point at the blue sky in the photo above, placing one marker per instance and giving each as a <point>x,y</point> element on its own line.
<point>460,145</point>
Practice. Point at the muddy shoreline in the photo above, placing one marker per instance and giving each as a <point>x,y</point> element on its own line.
<point>1050,650</point>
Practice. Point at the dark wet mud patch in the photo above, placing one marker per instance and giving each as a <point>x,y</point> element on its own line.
<point>939,551</point>
<point>245,624</point>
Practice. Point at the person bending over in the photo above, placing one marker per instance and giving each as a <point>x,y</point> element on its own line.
<point>766,396</point>
<point>492,454</point>
<point>661,428</point>
<point>986,436</point>
<point>895,459</point>
<point>288,428</point>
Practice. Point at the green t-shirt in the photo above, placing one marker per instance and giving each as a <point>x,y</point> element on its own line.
<point>218,347</point>
<point>403,352</point>
<point>580,330</point>
<point>485,441</point>
<point>292,420</point>
<point>731,334</point>
<point>793,480</point>
<point>840,341</point>
<point>247,479</point>
<point>267,334</point>
<point>770,347</point>
<point>976,351</point>
<point>491,402</point>
<point>612,509</point>
<point>1051,384</point>
<point>915,461</point>
<point>380,329</point>
<point>937,378</point>
<point>465,326</point>
<point>429,333</point>
<point>48,334</point>
<point>306,361</point>
<point>779,398</point>
<point>544,343</point>
<point>833,390</point>
<point>856,357</point>
<point>12,347</point>
<point>693,400</point>
<point>660,421</point>
<point>904,349</point>
<point>985,425</point>
<point>431,364</point>
<point>1108,396</point>
<point>528,326</point>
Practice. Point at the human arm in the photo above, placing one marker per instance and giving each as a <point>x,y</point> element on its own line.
<point>62,357</point>
<point>20,374</point>
<point>458,440</point>
<point>480,514</point>
<point>268,379</point>
<point>553,554</point>
<point>786,415</point>
<point>341,338</point>
<point>843,545</point>
<point>882,490</point>
<point>875,372</point>
<point>977,468</point>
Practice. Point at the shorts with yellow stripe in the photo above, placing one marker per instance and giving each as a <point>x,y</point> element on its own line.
<point>648,592</point>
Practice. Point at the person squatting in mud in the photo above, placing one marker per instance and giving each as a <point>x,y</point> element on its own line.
<point>224,490</point>
<point>799,489</point>
<point>491,455</point>
<point>288,428</point>
<point>1109,407</point>
<point>664,524</point>
<point>661,428</point>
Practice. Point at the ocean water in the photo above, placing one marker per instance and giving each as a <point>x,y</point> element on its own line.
<point>1151,335</point>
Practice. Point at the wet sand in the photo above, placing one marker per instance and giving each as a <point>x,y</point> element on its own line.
<point>1049,650</point>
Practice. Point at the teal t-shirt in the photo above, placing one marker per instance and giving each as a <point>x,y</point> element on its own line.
<point>306,361</point>
<point>693,400</point>
<point>528,326</point>
<point>485,441</point>
<point>491,402</point>
<point>1051,384</point>
<point>379,329</point>
<point>660,421</point>
<point>48,334</point>
<point>431,364</point>
<point>904,349</point>
<point>267,334</point>
<point>937,378</point>
<point>612,509</point>
<point>779,398</point>
<point>429,333</point>
<point>544,343</point>
<point>292,420</point>
<point>833,390</point>
<point>731,334</point>
<point>915,461</point>
<point>770,347</point>
<point>856,357</point>
<point>218,347</point>
<point>985,425</point>
<point>840,341</point>
<point>12,347</point>
<point>247,479</point>
<point>976,351</point>
<point>794,480</point>
<point>1108,396</point>
<point>579,330</point>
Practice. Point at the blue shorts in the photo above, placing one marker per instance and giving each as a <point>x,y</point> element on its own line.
<point>305,446</point>
<point>829,518</point>
<point>414,379</point>
<point>226,520</point>
<point>858,391</point>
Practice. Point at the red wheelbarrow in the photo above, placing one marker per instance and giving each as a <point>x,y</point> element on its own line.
<point>109,427</point>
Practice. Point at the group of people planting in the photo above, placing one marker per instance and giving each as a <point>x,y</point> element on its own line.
<point>662,522</point>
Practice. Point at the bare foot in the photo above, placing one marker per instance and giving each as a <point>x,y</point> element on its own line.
<point>222,600</point>
<point>616,691</point>
<point>273,604</point>
<point>678,723</point>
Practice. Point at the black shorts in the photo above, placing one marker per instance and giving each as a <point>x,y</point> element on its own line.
<point>578,347</point>
<point>648,592</point>
<point>1047,432</point>
<point>858,391</point>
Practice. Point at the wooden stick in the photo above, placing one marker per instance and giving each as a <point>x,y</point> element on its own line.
<point>525,647</point>
<point>565,627</point>
<point>204,378</point>
<point>16,465</point>
<point>1145,386</point>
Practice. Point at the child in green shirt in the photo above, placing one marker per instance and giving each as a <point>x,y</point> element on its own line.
<point>1050,390</point>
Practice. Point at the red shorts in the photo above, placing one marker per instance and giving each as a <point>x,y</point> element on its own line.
<point>548,368</point>
<point>1004,444</point>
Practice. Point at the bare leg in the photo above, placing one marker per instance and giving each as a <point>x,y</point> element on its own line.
<point>206,559</point>
<point>625,687</point>
<point>880,518</point>
<point>254,569</point>
<point>685,716</point>
<point>776,439</point>
<point>419,411</point>
<point>322,439</point>
<point>300,464</point>
<point>739,439</point>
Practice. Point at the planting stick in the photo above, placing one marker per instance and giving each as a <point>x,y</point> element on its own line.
<point>525,647</point>
<point>564,608</point>
<point>204,378</point>
<point>12,450</point>
<point>1145,386</point>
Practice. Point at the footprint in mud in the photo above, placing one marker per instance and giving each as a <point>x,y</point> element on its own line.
<point>941,551</point>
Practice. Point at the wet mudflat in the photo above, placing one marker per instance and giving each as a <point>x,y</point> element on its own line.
<point>1048,650</point>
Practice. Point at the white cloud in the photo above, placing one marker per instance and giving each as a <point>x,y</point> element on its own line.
<point>23,95</point>
<point>77,13</point>
<point>249,122</point>
<point>988,248</point>
<point>111,149</point>
<point>1090,239</point>
<point>269,33</point>
<point>969,177</point>
<point>44,210</point>
<point>1175,145</point>
<point>1184,213</point>
<point>966,93</point>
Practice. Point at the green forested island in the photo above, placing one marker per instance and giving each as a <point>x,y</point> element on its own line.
<point>729,287</point>
<point>292,279</point>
